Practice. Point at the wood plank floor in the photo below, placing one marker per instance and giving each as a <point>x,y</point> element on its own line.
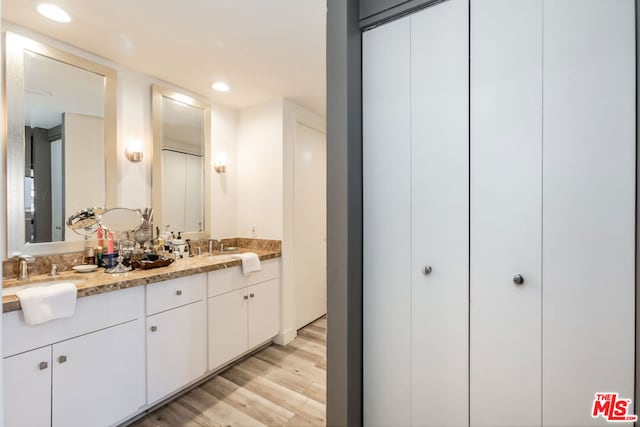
<point>279,386</point>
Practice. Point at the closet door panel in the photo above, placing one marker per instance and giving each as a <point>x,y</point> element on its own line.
<point>589,206</point>
<point>386,225</point>
<point>506,196</point>
<point>440,214</point>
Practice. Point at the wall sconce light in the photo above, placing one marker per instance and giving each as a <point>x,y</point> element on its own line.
<point>220,165</point>
<point>134,151</point>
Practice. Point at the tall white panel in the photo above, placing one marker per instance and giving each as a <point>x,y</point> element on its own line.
<point>386,225</point>
<point>440,214</point>
<point>588,206</point>
<point>193,193</point>
<point>506,217</point>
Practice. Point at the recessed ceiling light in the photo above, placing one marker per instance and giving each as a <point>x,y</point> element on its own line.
<point>220,87</point>
<point>53,12</point>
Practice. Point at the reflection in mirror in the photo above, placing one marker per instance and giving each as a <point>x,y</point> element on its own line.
<point>85,222</point>
<point>120,219</point>
<point>181,127</point>
<point>61,128</point>
<point>64,126</point>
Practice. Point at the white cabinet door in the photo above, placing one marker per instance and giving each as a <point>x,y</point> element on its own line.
<point>264,312</point>
<point>386,151</point>
<point>228,336</point>
<point>173,190</point>
<point>27,389</point>
<point>194,194</point>
<point>589,206</point>
<point>176,349</point>
<point>439,215</point>
<point>506,217</point>
<point>98,378</point>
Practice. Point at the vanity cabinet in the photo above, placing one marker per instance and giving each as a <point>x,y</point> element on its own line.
<point>243,311</point>
<point>27,389</point>
<point>176,327</point>
<point>228,322</point>
<point>94,378</point>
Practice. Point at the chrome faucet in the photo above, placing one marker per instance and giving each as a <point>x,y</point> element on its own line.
<point>212,245</point>
<point>23,272</point>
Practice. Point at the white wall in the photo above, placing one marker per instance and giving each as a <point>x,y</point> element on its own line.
<point>224,187</point>
<point>260,164</point>
<point>134,122</point>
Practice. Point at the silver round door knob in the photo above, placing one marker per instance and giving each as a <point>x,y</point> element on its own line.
<point>426,270</point>
<point>518,279</point>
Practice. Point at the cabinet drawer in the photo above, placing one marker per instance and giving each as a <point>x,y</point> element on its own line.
<point>231,279</point>
<point>92,313</point>
<point>163,296</point>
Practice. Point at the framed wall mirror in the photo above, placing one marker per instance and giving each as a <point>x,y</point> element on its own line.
<point>181,159</point>
<point>60,143</point>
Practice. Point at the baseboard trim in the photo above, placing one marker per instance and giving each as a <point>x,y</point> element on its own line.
<point>285,337</point>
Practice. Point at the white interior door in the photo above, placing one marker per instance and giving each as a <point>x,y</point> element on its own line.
<point>386,219</point>
<point>506,217</point>
<point>589,206</point>
<point>439,214</point>
<point>310,224</point>
<point>57,192</point>
<point>83,186</point>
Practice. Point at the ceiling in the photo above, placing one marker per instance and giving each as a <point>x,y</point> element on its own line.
<point>263,49</point>
<point>53,88</point>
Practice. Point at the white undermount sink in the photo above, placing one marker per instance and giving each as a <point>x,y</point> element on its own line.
<point>11,290</point>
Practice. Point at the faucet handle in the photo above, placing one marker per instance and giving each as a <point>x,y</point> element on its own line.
<point>54,270</point>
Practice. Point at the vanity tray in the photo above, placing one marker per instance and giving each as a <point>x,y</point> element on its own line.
<point>146,265</point>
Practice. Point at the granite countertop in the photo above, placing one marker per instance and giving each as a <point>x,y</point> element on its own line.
<point>98,282</point>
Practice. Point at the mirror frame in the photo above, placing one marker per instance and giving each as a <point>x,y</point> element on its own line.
<point>13,137</point>
<point>157,93</point>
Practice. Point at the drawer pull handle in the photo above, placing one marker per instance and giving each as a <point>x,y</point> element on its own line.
<point>178,292</point>
<point>154,328</point>
<point>251,295</point>
<point>518,279</point>
<point>62,359</point>
<point>245,297</point>
<point>43,366</point>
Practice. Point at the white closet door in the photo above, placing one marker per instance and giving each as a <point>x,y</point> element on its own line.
<point>194,193</point>
<point>173,194</point>
<point>440,214</point>
<point>589,206</point>
<point>506,217</point>
<point>386,225</point>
